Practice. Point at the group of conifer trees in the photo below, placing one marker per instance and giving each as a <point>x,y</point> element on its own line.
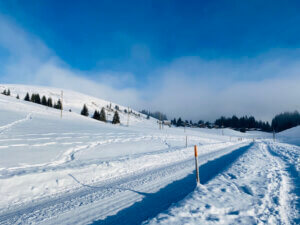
<point>35,98</point>
<point>101,116</point>
<point>6,92</point>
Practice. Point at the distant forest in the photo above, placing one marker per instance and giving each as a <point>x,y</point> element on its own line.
<point>156,115</point>
<point>285,121</point>
<point>279,123</point>
<point>243,123</point>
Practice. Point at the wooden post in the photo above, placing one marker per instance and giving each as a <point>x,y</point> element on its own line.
<point>186,141</point>
<point>196,165</point>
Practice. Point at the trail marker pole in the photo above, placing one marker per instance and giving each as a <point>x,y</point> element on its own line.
<point>186,141</point>
<point>196,165</point>
<point>61,110</point>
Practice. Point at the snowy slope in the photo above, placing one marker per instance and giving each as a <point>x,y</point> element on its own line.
<point>55,164</point>
<point>291,136</point>
<point>74,101</point>
<point>76,170</point>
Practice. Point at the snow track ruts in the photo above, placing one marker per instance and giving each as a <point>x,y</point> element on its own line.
<point>10,125</point>
<point>143,193</point>
<point>154,203</point>
<point>293,174</point>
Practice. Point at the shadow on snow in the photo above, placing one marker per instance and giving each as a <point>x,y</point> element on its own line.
<point>154,203</point>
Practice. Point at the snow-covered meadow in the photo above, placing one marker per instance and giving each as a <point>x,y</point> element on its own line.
<point>76,170</point>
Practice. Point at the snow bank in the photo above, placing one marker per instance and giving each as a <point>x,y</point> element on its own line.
<point>291,136</point>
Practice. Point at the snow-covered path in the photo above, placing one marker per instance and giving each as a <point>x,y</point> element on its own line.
<point>107,198</point>
<point>257,189</point>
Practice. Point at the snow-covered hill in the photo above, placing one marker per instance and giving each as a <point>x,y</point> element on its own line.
<point>291,135</point>
<point>76,170</point>
<point>74,101</point>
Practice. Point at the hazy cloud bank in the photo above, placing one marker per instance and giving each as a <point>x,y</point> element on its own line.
<point>189,87</point>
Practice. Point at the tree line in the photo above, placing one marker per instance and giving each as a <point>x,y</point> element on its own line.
<point>101,116</point>
<point>243,123</point>
<point>157,115</point>
<point>35,98</point>
<point>286,120</point>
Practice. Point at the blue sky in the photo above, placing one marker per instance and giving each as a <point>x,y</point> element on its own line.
<point>133,45</point>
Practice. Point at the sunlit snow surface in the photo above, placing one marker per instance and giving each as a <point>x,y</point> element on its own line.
<point>262,187</point>
<point>76,170</point>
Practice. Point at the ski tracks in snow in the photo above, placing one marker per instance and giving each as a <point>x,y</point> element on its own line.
<point>10,125</point>
<point>254,190</point>
<point>99,200</point>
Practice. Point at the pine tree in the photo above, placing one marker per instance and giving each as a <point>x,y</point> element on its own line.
<point>116,118</point>
<point>96,115</point>
<point>8,92</point>
<point>102,115</point>
<point>58,104</point>
<point>32,99</point>
<point>44,101</point>
<point>37,99</point>
<point>84,111</point>
<point>49,102</point>
<point>27,97</point>
<point>179,122</point>
<point>4,92</point>
<point>18,97</point>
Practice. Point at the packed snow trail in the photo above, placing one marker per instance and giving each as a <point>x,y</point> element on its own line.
<point>291,161</point>
<point>109,198</point>
<point>258,189</point>
<point>154,203</point>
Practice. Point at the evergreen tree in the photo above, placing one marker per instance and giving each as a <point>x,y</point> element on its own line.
<point>58,104</point>
<point>44,101</point>
<point>18,97</point>
<point>173,122</point>
<point>84,111</point>
<point>8,92</point>
<point>200,122</point>
<point>36,98</point>
<point>179,122</point>
<point>116,118</point>
<point>102,115</point>
<point>4,92</point>
<point>117,107</point>
<point>49,102</point>
<point>96,115</point>
<point>32,99</point>
<point>27,97</point>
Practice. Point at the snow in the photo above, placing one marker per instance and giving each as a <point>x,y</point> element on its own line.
<point>254,190</point>
<point>76,170</point>
<point>291,136</point>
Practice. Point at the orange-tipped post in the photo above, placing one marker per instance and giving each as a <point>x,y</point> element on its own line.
<point>196,165</point>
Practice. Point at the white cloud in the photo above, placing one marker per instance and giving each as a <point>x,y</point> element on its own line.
<point>198,89</point>
<point>189,87</point>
